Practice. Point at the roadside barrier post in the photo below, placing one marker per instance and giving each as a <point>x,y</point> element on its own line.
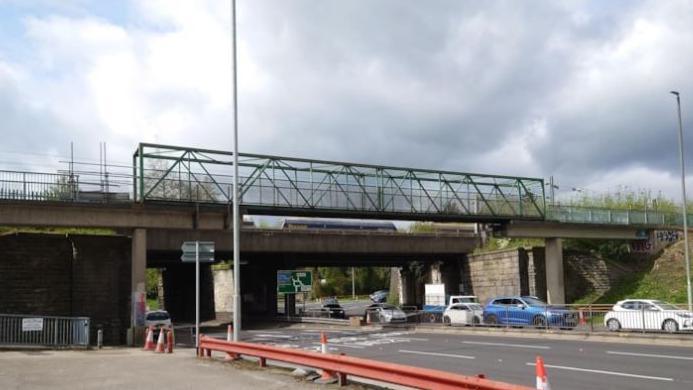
<point>542,379</point>
<point>169,341</point>
<point>99,339</point>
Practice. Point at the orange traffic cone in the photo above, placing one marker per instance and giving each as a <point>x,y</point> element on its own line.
<point>229,332</point>
<point>160,342</point>
<point>169,341</point>
<point>583,320</point>
<point>149,340</point>
<point>542,380</point>
<point>326,376</point>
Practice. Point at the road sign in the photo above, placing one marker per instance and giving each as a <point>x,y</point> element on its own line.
<point>206,251</point>
<point>291,282</point>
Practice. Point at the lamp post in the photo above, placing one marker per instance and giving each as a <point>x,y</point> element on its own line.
<point>236,217</point>
<point>684,208</point>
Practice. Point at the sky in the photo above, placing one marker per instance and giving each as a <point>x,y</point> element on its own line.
<point>578,90</point>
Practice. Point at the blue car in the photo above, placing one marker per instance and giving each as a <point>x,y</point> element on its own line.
<point>525,310</point>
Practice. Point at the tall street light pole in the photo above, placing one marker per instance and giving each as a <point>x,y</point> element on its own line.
<point>236,217</point>
<point>684,208</point>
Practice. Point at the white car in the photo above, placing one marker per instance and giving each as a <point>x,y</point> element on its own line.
<point>463,314</point>
<point>157,318</point>
<point>648,314</point>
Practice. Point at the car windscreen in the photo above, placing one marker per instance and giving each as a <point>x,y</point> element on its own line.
<point>158,316</point>
<point>533,301</point>
<point>476,307</point>
<point>332,306</point>
<point>390,307</point>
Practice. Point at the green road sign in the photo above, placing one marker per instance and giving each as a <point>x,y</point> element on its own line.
<point>206,251</point>
<point>291,282</point>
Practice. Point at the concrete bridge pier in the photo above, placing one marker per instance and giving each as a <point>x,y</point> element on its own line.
<point>137,285</point>
<point>555,279</point>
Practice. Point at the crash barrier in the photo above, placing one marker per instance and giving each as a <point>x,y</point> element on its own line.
<point>321,313</point>
<point>346,365</point>
<point>46,331</point>
<point>579,317</point>
<point>164,340</point>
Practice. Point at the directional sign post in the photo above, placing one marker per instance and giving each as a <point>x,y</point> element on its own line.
<point>197,251</point>
<point>292,282</point>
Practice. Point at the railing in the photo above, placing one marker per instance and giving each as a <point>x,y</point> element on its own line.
<point>46,331</point>
<point>346,365</point>
<point>585,318</point>
<point>604,216</point>
<point>172,173</point>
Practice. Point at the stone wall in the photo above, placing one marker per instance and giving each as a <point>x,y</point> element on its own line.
<point>516,271</point>
<point>223,293</point>
<point>68,275</point>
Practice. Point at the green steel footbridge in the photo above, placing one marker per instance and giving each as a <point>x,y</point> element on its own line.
<point>273,185</point>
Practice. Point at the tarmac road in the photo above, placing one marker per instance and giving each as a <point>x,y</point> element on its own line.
<point>570,364</point>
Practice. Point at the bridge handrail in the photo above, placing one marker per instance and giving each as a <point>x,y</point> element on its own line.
<point>612,216</point>
<point>347,365</point>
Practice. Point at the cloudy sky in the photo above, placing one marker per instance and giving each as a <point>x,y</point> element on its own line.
<point>573,89</point>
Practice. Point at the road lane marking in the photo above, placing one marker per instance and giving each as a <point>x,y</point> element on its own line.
<point>437,354</point>
<point>654,378</point>
<point>507,345</point>
<point>649,355</point>
<point>344,345</point>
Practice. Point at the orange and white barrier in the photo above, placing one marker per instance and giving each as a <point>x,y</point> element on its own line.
<point>542,379</point>
<point>149,340</point>
<point>160,344</point>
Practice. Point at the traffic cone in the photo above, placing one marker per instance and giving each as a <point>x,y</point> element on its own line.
<point>169,341</point>
<point>326,376</point>
<point>149,340</point>
<point>323,342</point>
<point>160,342</point>
<point>581,316</point>
<point>542,379</point>
<point>229,332</point>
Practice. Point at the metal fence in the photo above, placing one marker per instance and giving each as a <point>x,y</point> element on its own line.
<point>45,331</point>
<point>571,317</point>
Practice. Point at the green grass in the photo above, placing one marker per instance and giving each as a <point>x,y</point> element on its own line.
<point>661,278</point>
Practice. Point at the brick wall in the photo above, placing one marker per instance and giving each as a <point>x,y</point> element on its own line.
<point>68,275</point>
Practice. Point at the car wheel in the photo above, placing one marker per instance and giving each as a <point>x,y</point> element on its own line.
<point>446,320</point>
<point>670,326</point>
<point>476,320</point>
<point>491,320</point>
<point>613,325</point>
<point>539,322</point>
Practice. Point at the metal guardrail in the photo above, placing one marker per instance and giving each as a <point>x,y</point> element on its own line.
<point>46,331</point>
<point>586,318</point>
<point>417,377</point>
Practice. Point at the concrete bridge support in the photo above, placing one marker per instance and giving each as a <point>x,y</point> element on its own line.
<point>137,285</point>
<point>555,280</point>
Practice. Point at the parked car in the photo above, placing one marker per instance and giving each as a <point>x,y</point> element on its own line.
<point>526,310</point>
<point>648,314</point>
<point>379,296</point>
<point>385,313</point>
<point>157,318</point>
<point>463,314</point>
<point>333,309</point>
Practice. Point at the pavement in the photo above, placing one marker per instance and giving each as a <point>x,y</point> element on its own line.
<point>131,368</point>
<point>571,364</point>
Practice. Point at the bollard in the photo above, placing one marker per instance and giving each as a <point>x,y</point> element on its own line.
<point>99,339</point>
<point>169,341</point>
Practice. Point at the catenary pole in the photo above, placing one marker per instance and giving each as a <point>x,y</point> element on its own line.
<point>236,217</point>
<point>684,208</point>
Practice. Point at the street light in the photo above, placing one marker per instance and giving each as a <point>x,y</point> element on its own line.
<point>236,219</point>
<point>684,208</point>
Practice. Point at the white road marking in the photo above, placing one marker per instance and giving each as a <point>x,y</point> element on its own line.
<point>274,336</point>
<point>654,378</point>
<point>343,345</point>
<point>650,355</point>
<point>437,354</point>
<point>507,345</point>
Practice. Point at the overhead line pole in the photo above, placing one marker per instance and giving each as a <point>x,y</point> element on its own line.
<point>236,219</point>
<point>684,208</point>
